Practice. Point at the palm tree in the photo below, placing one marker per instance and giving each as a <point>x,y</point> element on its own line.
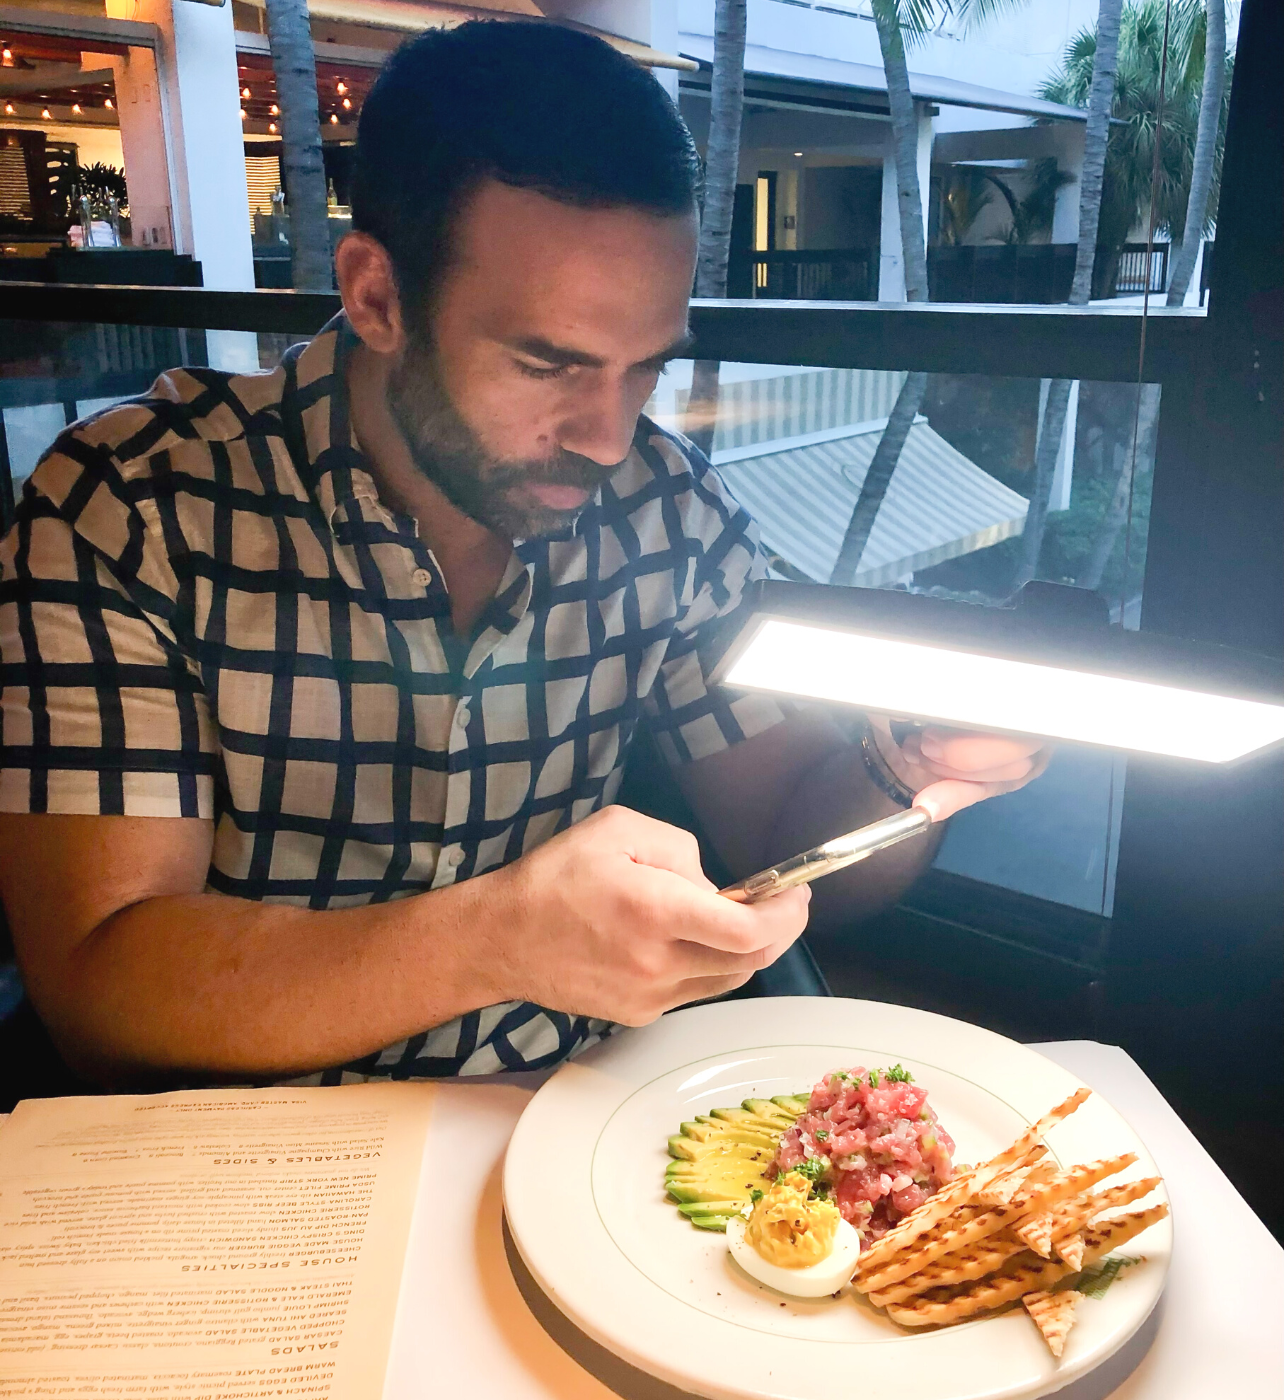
<point>894,19</point>
<point>1100,99</point>
<point>1212,84</point>
<point>302,167</point>
<point>721,166</point>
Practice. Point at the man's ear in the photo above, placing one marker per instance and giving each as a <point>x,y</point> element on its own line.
<point>368,287</point>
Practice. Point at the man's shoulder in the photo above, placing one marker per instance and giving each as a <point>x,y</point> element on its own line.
<point>172,427</point>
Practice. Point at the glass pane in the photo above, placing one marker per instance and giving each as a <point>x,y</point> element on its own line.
<point>1001,101</point>
<point>796,446</point>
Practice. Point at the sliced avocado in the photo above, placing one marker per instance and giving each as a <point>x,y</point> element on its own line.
<point>715,1130</point>
<point>709,1222</point>
<point>793,1104</point>
<point>769,1112</point>
<point>743,1118</point>
<point>720,1157</point>
<point>724,1208</point>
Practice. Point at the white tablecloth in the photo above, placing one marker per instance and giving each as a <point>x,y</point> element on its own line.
<point>465,1327</point>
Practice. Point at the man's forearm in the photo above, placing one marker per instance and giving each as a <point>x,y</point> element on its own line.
<point>834,796</point>
<point>232,987</point>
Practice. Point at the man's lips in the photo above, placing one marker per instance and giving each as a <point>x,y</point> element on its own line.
<point>558,497</point>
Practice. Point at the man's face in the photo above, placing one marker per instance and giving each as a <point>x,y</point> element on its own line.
<point>547,335</point>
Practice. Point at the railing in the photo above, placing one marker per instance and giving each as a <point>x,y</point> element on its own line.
<point>1004,273</point>
<point>1142,270</point>
<point>834,274</point>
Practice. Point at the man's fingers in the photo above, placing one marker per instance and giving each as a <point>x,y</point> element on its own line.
<point>704,961</point>
<point>942,800</point>
<point>654,843</point>
<point>974,751</point>
<point>742,929</point>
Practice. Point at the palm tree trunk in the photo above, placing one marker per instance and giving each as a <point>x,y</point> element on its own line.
<point>721,167</point>
<point>1051,431</point>
<point>909,205</point>
<point>879,477</point>
<point>1117,511</point>
<point>303,170</point>
<point>1201,174</point>
<point>1101,98</point>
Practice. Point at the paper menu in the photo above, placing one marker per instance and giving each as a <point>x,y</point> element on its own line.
<point>208,1245</point>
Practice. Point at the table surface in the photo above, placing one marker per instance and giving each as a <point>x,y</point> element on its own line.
<point>471,1322</point>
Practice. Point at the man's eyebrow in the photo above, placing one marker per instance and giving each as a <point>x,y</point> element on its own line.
<point>562,356</point>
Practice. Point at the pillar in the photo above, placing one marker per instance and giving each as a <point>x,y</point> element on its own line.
<point>198,117</point>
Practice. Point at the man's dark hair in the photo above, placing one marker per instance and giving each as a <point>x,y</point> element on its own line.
<point>532,104</point>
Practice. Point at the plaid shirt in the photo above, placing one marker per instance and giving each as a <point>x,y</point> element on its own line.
<point>206,611</point>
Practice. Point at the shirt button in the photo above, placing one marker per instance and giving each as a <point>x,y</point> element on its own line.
<point>422,577</point>
<point>455,858</point>
<point>462,716</point>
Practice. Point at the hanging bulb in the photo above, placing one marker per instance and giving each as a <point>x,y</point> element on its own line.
<point>245,92</point>
<point>272,128</point>
<point>341,87</point>
<point>8,109</point>
<point>244,114</point>
<point>110,105</point>
<point>274,110</point>
<point>75,107</point>
<point>334,121</point>
<point>44,112</point>
<point>347,104</point>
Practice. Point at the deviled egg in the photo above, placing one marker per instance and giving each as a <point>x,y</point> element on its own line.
<point>793,1243</point>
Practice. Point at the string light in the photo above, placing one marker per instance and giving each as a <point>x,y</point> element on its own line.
<point>272,128</point>
<point>341,87</point>
<point>7,55</point>
<point>347,104</point>
<point>275,110</point>
<point>244,114</point>
<point>8,109</point>
<point>44,112</point>
<point>110,105</point>
<point>245,92</point>
<point>75,107</point>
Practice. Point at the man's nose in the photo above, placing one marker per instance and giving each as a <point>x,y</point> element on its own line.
<point>601,424</point>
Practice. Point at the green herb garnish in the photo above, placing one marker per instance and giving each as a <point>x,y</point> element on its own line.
<point>898,1075</point>
<point>813,1168</point>
<point>821,1135</point>
<point>755,1195</point>
<point>873,1079</point>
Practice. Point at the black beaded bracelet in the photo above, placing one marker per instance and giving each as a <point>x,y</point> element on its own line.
<point>884,779</point>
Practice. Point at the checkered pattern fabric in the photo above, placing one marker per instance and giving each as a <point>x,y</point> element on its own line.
<point>207,611</point>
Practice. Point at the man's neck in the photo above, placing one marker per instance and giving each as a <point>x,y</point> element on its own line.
<point>472,558</point>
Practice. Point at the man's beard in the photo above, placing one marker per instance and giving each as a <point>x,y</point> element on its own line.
<point>446,450</point>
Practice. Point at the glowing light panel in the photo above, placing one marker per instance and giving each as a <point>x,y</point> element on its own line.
<point>986,692</point>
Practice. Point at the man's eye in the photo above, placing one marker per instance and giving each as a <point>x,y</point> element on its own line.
<point>542,371</point>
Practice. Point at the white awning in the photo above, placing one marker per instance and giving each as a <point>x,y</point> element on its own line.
<point>869,77</point>
<point>939,504</point>
<point>416,16</point>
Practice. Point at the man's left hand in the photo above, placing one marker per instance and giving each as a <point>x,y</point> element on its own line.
<point>949,769</point>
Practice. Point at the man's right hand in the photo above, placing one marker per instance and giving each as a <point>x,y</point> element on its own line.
<point>614,918</point>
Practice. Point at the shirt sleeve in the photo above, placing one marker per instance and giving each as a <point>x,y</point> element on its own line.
<point>691,718</point>
<point>101,712</point>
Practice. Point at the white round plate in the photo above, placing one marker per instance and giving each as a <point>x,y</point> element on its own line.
<point>584,1196</point>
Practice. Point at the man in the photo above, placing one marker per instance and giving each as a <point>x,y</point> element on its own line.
<point>318,684</point>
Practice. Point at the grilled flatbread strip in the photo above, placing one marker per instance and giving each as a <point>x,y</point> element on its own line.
<point>960,1267</point>
<point>964,1188</point>
<point>1025,1273</point>
<point>1001,1191</point>
<point>947,1237</point>
<point>1053,1315</point>
<point>1070,1249</point>
<point>1042,1225</point>
<point>1074,1215</point>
